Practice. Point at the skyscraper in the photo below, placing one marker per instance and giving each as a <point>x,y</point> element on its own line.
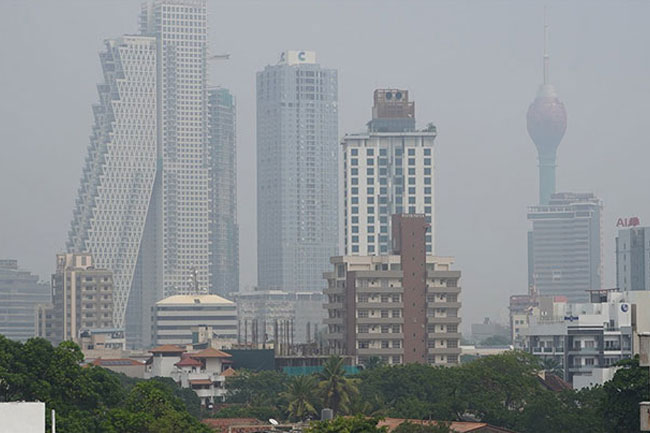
<point>144,202</point>
<point>567,245</point>
<point>633,259</point>
<point>297,172</point>
<point>224,260</point>
<point>385,173</point>
<point>547,123</point>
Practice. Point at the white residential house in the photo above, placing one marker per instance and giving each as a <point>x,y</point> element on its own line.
<point>204,371</point>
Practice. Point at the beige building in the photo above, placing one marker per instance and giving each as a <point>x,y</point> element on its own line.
<point>82,299</point>
<point>401,307</point>
<point>177,318</point>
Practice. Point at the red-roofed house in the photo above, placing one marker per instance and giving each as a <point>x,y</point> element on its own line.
<point>204,371</point>
<point>129,367</point>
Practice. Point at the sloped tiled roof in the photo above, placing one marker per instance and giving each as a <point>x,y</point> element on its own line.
<point>210,353</point>
<point>167,348</point>
<point>455,426</point>
<point>229,372</point>
<point>188,362</point>
<point>116,362</point>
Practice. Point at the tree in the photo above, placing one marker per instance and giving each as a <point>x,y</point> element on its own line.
<point>552,365</point>
<point>300,397</point>
<point>428,427</point>
<point>256,388</point>
<point>495,341</point>
<point>622,396</point>
<point>356,424</point>
<point>373,362</point>
<point>336,390</point>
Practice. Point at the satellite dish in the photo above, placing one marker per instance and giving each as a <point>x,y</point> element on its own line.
<point>274,422</point>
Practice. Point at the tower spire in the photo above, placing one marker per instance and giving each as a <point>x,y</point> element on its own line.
<point>546,57</point>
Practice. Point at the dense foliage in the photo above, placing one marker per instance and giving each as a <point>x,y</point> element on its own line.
<point>503,390</point>
<point>91,399</point>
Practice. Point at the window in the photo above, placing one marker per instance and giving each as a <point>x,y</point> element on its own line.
<point>411,152</point>
<point>354,171</point>
<point>355,190</point>
<point>354,152</point>
<point>370,161</point>
<point>411,171</point>
<point>427,161</point>
<point>355,229</point>
<point>427,151</point>
<point>354,161</point>
<point>370,152</point>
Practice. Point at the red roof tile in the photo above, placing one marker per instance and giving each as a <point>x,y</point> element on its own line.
<point>210,353</point>
<point>188,362</point>
<point>200,382</point>
<point>228,372</point>
<point>167,348</point>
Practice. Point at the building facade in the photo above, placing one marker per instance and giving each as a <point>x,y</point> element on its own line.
<point>144,204</point>
<point>585,336</point>
<point>20,294</point>
<point>633,259</point>
<point>403,307</point>
<point>224,232</point>
<point>385,173</point>
<point>567,245</point>
<point>297,172</point>
<point>82,297</point>
<point>175,317</point>
<point>264,314</point>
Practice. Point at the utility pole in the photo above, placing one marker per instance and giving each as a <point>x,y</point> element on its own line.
<point>644,361</point>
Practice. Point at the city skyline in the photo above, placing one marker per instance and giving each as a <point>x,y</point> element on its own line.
<point>467,157</point>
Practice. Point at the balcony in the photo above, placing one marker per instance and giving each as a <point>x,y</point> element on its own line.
<point>378,305</point>
<point>441,320</point>
<point>444,335</point>
<point>444,350</point>
<point>443,289</point>
<point>380,289</point>
<point>378,352</point>
<point>379,336</point>
<point>380,320</point>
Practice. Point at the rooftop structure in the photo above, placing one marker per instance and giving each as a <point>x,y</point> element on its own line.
<point>392,111</point>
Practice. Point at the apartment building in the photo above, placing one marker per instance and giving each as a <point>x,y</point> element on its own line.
<point>401,307</point>
<point>82,298</point>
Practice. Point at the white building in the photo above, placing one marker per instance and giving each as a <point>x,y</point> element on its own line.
<point>583,337</point>
<point>22,417</point>
<point>297,172</point>
<point>175,317</point>
<point>143,208</point>
<point>386,173</point>
<point>204,371</point>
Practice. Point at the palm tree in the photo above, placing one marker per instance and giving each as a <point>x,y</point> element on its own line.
<point>336,390</point>
<point>300,395</point>
<point>552,365</point>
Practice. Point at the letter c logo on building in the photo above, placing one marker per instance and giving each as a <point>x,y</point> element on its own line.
<point>301,56</point>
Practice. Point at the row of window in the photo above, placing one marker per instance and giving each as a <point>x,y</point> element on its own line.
<point>384,151</point>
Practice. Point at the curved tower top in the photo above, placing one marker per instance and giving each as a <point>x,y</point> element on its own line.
<point>547,121</point>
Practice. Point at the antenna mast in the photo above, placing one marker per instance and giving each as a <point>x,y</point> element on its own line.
<point>546,57</point>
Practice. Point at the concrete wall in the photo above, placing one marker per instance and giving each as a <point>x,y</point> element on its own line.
<point>22,417</point>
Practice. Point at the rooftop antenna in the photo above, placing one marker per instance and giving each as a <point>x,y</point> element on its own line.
<point>546,56</point>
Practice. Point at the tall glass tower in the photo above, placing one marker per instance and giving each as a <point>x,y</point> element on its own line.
<point>143,208</point>
<point>224,230</point>
<point>297,172</point>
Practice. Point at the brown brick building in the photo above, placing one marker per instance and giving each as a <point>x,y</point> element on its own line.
<point>401,307</point>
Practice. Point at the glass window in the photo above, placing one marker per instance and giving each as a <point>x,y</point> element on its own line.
<point>354,161</point>
<point>398,151</point>
<point>355,181</point>
<point>427,151</point>
<point>354,171</point>
<point>355,229</point>
<point>371,200</point>
<point>427,161</point>
<point>355,209</point>
<point>427,180</point>
<point>371,248</point>
<point>398,171</point>
<point>370,171</point>
<point>412,181</point>
<point>370,190</point>
<point>370,161</point>
<point>411,161</point>
<point>354,152</point>
<point>427,171</point>
<point>411,209</point>
<point>355,190</point>
<point>371,229</point>
<point>412,190</point>
<point>383,190</point>
<point>383,152</point>
<point>399,209</point>
<point>371,209</point>
<point>371,219</point>
<point>398,200</point>
<point>411,152</point>
<point>427,190</point>
<point>355,248</point>
<point>427,199</point>
<point>412,200</point>
<point>370,180</point>
<point>355,220</point>
<point>371,239</point>
<point>355,238</point>
<point>427,209</point>
<point>370,152</point>
<point>411,171</point>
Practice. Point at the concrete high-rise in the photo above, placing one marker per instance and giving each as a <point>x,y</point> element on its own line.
<point>224,231</point>
<point>297,172</point>
<point>82,297</point>
<point>547,121</point>
<point>633,259</point>
<point>143,209</point>
<point>385,173</point>
<point>567,251</point>
<point>20,294</point>
<point>401,307</point>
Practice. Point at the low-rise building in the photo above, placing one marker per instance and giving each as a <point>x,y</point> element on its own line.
<point>204,371</point>
<point>402,307</point>
<point>129,367</point>
<point>102,343</point>
<point>175,317</point>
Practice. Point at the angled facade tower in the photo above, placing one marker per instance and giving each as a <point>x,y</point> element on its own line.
<point>547,121</point>
<point>143,209</point>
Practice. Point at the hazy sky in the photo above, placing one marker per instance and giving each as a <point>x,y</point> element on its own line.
<point>472,67</point>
